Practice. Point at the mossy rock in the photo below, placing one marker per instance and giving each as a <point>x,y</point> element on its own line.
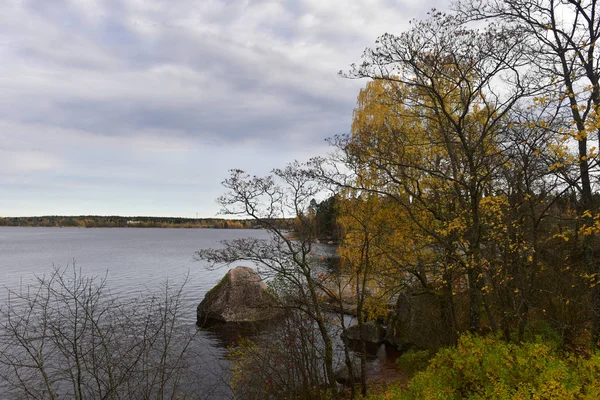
<point>241,296</point>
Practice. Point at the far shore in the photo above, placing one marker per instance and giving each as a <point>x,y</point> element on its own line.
<point>125,227</point>
<point>96,221</point>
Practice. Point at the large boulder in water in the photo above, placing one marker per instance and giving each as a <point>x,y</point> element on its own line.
<point>371,332</point>
<point>241,296</point>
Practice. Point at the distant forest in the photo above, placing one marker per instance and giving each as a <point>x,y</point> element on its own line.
<point>324,213</point>
<point>96,221</point>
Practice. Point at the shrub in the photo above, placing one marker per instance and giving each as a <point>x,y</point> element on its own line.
<point>414,360</point>
<point>287,363</point>
<point>488,368</point>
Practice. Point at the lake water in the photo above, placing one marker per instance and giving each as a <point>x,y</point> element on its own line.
<point>135,261</point>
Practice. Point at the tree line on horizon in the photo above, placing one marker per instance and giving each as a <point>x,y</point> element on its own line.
<point>115,221</point>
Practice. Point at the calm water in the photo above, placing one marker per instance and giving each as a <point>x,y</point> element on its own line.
<point>135,261</point>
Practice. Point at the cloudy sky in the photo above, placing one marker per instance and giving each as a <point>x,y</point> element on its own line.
<point>140,107</point>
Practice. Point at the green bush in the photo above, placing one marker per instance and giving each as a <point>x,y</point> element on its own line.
<point>488,368</point>
<point>414,360</point>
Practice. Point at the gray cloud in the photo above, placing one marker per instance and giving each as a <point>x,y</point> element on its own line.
<point>107,101</point>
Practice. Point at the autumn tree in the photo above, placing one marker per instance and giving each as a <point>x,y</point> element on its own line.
<point>440,155</point>
<point>560,43</point>
<point>516,213</point>
<point>370,231</point>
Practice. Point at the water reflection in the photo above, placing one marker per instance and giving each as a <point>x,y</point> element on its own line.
<point>228,335</point>
<point>381,358</point>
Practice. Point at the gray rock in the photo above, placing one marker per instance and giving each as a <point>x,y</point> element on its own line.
<point>372,332</point>
<point>393,338</point>
<point>417,322</point>
<point>241,296</point>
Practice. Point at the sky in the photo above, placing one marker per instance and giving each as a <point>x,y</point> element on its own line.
<point>140,107</point>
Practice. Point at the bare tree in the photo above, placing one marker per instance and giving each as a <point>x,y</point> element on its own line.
<point>284,363</point>
<point>66,336</point>
<point>288,257</point>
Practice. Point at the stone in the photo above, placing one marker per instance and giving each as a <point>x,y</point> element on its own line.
<point>393,338</point>
<point>412,324</point>
<point>241,296</point>
<point>372,332</point>
<point>342,375</point>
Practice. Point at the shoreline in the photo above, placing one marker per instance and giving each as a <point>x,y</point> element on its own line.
<point>117,221</point>
<point>128,227</point>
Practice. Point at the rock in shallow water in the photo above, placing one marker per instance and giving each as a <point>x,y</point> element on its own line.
<point>241,296</point>
<point>372,332</point>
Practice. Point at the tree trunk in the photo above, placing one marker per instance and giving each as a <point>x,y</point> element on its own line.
<point>474,301</point>
<point>447,315</point>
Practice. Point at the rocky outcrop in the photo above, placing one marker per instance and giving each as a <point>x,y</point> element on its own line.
<point>417,322</point>
<point>371,332</point>
<point>241,296</point>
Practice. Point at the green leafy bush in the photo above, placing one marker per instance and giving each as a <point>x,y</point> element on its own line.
<point>488,368</point>
<point>414,360</point>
